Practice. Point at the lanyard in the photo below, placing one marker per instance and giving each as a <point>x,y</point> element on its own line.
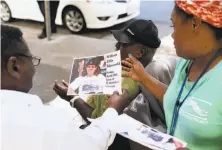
<point>178,103</point>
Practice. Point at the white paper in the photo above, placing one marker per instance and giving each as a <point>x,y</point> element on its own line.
<point>113,73</point>
<point>96,75</point>
<point>142,134</point>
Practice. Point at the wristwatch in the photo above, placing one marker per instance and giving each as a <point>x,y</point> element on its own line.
<point>72,101</point>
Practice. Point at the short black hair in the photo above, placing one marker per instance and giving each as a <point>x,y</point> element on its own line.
<point>12,42</point>
<point>217,31</point>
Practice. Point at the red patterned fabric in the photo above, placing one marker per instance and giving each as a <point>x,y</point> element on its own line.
<point>209,11</point>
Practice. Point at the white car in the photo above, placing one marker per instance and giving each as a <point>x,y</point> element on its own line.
<point>76,15</point>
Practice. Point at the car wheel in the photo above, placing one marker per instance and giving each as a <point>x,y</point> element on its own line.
<point>6,15</point>
<point>74,20</point>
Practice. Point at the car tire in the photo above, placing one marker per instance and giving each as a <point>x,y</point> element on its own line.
<point>74,20</point>
<point>6,15</point>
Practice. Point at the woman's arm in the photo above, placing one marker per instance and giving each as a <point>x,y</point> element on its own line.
<point>157,88</point>
<point>135,70</point>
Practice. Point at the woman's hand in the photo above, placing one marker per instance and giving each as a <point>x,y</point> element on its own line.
<point>133,69</point>
<point>61,90</point>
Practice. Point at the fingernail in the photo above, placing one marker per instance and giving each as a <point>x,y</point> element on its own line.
<point>129,54</point>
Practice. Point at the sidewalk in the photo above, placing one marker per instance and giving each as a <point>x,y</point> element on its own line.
<point>57,56</point>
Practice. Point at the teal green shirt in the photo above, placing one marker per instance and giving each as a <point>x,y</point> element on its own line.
<point>200,117</point>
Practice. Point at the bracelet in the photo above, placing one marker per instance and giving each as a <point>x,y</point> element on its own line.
<point>72,101</point>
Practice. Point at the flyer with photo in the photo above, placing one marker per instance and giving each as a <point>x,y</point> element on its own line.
<point>96,75</point>
<point>143,134</point>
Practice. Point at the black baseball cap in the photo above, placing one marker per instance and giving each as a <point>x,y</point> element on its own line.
<point>139,31</point>
<point>93,61</point>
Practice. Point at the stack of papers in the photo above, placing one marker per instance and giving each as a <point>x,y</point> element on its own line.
<point>143,134</point>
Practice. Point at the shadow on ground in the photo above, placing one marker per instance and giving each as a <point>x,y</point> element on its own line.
<point>44,80</point>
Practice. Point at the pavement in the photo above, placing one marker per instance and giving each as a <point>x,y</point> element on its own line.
<point>57,56</point>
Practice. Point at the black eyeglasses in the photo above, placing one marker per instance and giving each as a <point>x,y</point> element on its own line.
<point>35,60</point>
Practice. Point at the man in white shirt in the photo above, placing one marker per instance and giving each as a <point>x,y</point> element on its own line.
<point>26,123</point>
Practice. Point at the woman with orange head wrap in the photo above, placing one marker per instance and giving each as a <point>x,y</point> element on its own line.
<point>192,102</point>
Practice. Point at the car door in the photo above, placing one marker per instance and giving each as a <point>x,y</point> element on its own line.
<point>25,9</point>
<point>35,11</point>
<point>16,8</point>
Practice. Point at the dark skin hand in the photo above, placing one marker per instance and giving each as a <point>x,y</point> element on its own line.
<point>135,70</point>
<point>116,101</point>
<point>82,107</point>
<point>61,90</point>
<point>119,101</point>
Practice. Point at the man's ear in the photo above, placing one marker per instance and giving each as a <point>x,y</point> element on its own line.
<point>13,67</point>
<point>140,53</point>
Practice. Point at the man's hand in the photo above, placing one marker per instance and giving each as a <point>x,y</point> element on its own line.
<point>119,102</point>
<point>61,90</point>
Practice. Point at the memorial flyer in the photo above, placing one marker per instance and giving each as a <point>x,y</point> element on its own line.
<point>96,75</point>
<point>142,134</point>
